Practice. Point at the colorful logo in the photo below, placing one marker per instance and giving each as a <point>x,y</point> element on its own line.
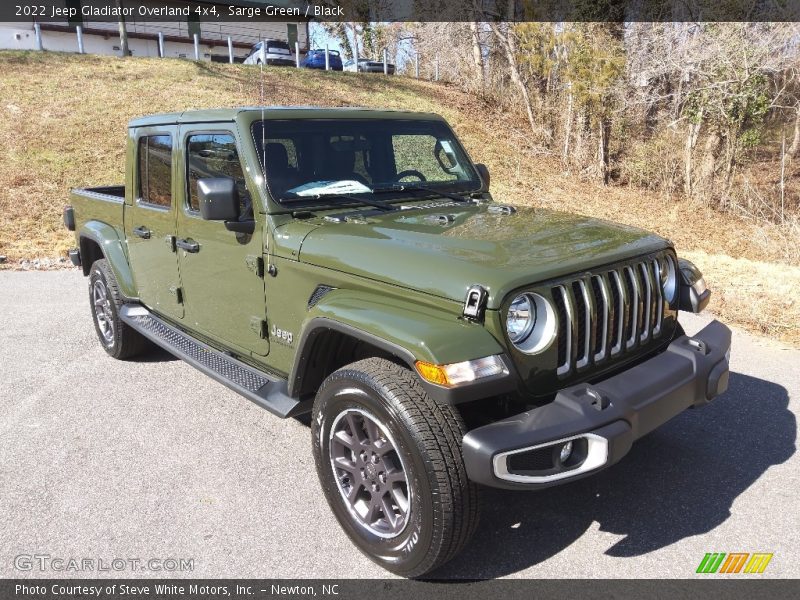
<point>734,562</point>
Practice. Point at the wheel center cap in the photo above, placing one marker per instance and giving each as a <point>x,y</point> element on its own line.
<point>372,472</point>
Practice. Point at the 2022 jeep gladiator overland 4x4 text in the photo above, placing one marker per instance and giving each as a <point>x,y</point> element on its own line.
<point>351,264</point>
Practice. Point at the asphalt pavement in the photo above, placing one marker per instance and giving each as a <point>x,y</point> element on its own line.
<point>149,460</point>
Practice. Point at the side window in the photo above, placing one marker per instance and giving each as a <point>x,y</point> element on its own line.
<point>215,155</point>
<point>419,153</point>
<point>155,170</point>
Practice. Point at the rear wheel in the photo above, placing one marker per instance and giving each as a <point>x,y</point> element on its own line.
<point>105,300</point>
<point>390,464</point>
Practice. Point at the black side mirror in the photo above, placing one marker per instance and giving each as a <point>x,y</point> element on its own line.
<point>219,199</point>
<point>483,171</point>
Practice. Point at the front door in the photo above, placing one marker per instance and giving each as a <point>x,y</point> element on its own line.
<point>150,224</point>
<point>221,274</point>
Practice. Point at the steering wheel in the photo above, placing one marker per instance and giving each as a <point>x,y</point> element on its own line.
<point>410,173</point>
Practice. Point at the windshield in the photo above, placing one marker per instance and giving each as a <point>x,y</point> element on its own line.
<point>309,159</point>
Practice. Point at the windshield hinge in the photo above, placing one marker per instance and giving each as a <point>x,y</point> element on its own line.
<point>502,209</point>
<point>170,242</point>
<point>177,292</point>
<point>255,264</point>
<point>259,327</point>
<point>475,303</point>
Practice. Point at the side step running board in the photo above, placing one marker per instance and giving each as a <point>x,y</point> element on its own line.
<point>268,392</point>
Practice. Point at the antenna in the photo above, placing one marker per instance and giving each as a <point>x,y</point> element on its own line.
<point>263,124</point>
<point>267,238</point>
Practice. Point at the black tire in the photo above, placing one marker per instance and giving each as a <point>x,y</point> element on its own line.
<point>443,505</point>
<point>123,341</point>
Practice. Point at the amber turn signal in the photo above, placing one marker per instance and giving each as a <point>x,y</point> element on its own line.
<point>463,372</point>
<point>432,373</point>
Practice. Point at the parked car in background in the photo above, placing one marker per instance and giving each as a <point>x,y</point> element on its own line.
<point>315,59</point>
<point>275,52</point>
<point>366,65</point>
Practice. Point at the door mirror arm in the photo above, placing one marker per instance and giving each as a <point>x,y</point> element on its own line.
<point>241,226</point>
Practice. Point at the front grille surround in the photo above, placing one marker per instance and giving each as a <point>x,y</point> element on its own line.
<point>606,317</point>
<point>608,312</point>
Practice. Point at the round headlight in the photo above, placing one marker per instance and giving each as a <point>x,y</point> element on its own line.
<point>531,323</point>
<point>520,320</point>
<point>669,278</point>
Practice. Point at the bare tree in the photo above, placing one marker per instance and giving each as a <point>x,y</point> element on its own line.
<point>795,145</point>
<point>506,39</point>
<point>477,52</point>
<point>123,30</point>
<point>687,106</point>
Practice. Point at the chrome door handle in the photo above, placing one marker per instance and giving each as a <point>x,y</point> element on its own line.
<point>189,245</point>
<point>142,232</point>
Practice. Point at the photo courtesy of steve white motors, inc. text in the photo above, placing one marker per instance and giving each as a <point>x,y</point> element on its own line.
<point>171,589</point>
<point>112,10</point>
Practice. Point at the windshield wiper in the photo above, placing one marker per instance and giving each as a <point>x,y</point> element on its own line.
<point>376,203</point>
<point>401,187</point>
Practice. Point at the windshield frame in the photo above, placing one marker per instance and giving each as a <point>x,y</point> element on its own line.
<point>286,204</point>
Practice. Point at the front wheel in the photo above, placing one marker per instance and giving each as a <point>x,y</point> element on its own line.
<point>389,461</point>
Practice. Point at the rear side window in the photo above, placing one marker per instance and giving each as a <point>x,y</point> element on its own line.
<point>275,47</point>
<point>155,170</point>
<point>215,155</point>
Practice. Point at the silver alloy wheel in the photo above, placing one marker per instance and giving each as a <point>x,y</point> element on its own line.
<point>369,473</point>
<point>102,311</point>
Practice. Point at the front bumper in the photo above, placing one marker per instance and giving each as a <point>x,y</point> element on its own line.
<point>602,419</point>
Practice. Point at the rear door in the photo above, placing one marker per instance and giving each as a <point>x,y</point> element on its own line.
<point>150,223</point>
<point>222,278</point>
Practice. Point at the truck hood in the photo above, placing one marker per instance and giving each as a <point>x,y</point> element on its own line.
<point>445,249</point>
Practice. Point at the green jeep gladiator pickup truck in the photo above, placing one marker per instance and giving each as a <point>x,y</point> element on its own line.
<point>351,264</point>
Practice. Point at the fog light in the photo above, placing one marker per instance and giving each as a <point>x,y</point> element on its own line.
<point>566,452</point>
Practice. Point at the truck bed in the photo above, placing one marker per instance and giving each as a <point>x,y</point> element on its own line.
<point>99,205</point>
<point>114,193</point>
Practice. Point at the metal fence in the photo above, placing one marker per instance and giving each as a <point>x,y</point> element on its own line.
<point>434,75</point>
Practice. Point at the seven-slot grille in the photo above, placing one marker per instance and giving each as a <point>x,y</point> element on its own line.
<point>603,315</point>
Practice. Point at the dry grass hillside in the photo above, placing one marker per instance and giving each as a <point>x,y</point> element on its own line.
<point>63,120</point>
